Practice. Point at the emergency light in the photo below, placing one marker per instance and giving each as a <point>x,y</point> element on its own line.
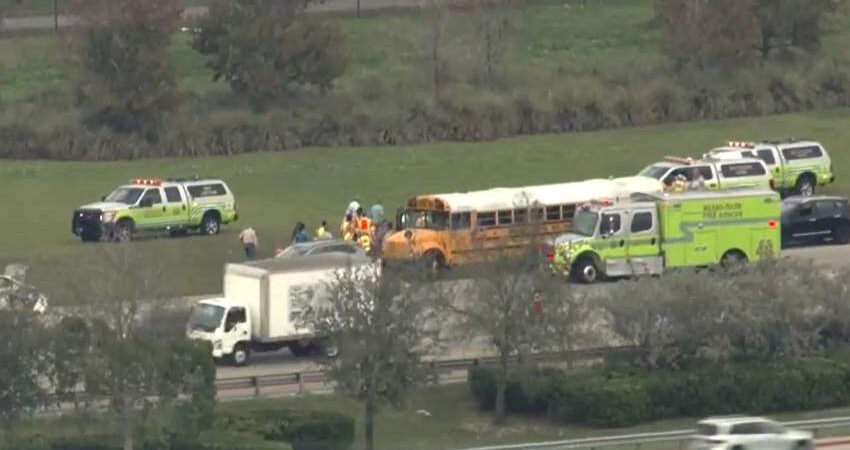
<point>741,144</point>
<point>679,160</point>
<point>147,181</point>
<point>602,202</point>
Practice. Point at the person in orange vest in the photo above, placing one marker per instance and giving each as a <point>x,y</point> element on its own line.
<point>364,223</point>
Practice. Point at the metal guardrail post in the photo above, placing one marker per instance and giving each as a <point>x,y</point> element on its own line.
<point>300,380</point>
<point>256,383</point>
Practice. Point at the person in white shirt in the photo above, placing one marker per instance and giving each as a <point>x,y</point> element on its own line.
<point>248,238</point>
<point>353,206</point>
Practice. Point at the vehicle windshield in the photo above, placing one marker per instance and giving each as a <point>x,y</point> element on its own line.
<point>655,171</point>
<point>126,195</point>
<point>432,220</point>
<point>584,223</point>
<point>206,317</point>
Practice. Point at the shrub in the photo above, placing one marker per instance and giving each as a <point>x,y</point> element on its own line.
<point>307,430</point>
<point>616,397</point>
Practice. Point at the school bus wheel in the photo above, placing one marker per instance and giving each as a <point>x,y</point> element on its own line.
<point>433,261</point>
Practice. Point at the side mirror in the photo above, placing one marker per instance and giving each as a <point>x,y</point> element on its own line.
<point>146,203</point>
<point>103,199</point>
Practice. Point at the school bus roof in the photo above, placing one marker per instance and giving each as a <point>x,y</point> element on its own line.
<point>549,194</point>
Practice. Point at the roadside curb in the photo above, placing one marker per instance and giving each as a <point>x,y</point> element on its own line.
<point>832,441</point>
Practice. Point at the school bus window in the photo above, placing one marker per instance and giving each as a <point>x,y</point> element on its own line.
<point>506,217</point>
<point>433,220</point>
<point>460,221</point>
<point>553,213</point>
<point>520,215</point>
<point>486,219</point>
<point>537,215</point>
<point>569,211</point>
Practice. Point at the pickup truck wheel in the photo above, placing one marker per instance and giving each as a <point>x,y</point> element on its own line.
<point>241,355</point>
<point>124,230</point>
<point>211,224</point>
<point>585,271</point>
<point>805,186</point>
<point>842,234</point>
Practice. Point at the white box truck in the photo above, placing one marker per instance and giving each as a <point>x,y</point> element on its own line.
<point>262,304</point>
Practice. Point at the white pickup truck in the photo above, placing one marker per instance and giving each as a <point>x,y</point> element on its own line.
<point>262,305</point>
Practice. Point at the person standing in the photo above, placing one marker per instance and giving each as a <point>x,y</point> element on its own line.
<point>346,229</point>
<point>248,238</point>
<point>299,233</point>
<point>322,232</point>
<point>377,212</point>
<point>353,206</point>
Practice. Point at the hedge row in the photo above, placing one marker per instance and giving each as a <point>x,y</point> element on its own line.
<point>263,429</point>
<point>615,398</point>
<point>570,103</point>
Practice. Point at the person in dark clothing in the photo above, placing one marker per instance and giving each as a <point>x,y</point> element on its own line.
<point>299,233</point>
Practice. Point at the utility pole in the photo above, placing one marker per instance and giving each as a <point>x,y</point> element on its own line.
<point>358,8</point>
<point>55,16</point>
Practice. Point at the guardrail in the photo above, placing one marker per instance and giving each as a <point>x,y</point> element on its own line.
<point>436,370</point>
<point>678,437</point>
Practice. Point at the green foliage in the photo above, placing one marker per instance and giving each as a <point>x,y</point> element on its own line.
<point>615,398</point>
<point>267,49</point>
<point>308,430</point>
<point>22,352</point>
<point>127,80</point>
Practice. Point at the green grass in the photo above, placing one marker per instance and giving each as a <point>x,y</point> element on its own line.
<point>273,190</point>
<point>456,422</point>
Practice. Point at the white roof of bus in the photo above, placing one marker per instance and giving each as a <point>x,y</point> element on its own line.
<point>548,194</point>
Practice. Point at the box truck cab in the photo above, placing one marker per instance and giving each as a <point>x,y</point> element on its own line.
<point>650,234</point>
<point>263,303</point>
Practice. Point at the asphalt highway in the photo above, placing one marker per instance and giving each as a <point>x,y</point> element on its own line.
<point>827,256</point>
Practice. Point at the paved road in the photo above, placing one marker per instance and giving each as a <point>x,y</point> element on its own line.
<point>16,24</point>
<point>835,257</point>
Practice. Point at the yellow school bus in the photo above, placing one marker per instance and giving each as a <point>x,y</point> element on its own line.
<point>440,230</point>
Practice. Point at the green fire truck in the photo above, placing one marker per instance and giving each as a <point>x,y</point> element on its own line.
<point>651,233</point>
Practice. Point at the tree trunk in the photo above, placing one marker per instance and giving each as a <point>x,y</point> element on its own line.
<point>501,386</point>
<point>369,424</point>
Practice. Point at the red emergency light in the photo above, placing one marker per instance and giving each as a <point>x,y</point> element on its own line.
<point>741,144</point>
<point>771,224</point>
<point>147,181</point>
<point>602,202</point>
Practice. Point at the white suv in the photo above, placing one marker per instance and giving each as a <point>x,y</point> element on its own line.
<point>748,433</point>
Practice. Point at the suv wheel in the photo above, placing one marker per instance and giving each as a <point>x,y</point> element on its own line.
<point>805,186</point>
<point>211,224</point>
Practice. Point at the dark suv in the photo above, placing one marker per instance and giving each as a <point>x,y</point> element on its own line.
<point>815,219</point>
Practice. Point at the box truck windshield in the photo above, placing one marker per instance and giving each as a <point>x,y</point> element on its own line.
<point>206,317</point>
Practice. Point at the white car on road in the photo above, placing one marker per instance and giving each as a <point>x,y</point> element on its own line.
<point>748,433</point>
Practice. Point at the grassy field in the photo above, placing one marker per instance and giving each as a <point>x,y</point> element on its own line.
<point>389,48</point>
<point>273,190</point>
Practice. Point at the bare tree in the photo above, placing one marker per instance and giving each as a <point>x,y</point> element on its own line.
<point>136,372</point>
<point>495,32</point>
<point>23,355</point>
<point>375,323</point>
<point>498,303</point>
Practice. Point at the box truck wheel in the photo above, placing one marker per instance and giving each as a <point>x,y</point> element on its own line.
<point>328,349</point>
<point>298,349</point>
<point>241,354</point>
